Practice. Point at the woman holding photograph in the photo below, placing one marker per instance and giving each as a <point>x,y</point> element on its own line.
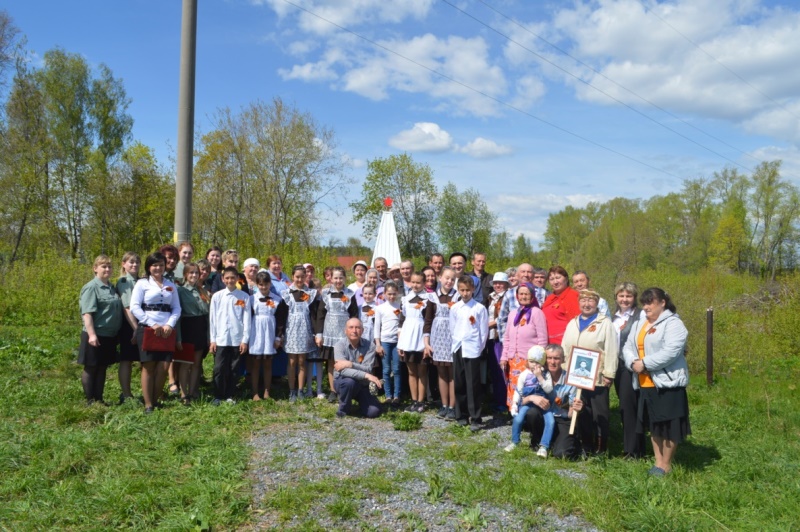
<point>593,330</point>
<point>656,353</point>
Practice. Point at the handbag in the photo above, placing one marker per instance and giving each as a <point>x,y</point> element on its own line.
<point>151,342</point>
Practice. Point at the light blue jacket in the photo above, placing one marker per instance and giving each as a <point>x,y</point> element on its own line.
<point>665,351</point>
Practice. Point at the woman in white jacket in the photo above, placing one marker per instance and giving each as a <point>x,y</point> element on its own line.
<point>656,352</point>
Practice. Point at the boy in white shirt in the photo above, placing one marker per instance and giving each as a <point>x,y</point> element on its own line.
<point>469,325</point>
<point>229,334</point>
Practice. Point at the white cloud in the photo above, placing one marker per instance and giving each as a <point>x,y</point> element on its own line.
<point>465,60</point>
<point>631,46</point>
<point>482,148</point>
<point>347,13</point>
<point>430,137</point>
<point>529,89</point>
<point>424,137</point>
<point>302,47</point>
<point>319,71</point>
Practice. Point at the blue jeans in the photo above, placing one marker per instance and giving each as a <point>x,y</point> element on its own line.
<point>519,422</point>
<point>391,366</point>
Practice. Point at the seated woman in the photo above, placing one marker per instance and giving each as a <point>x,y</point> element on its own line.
<point>561,403</point>
<point>525,328</point>
<point>656,353</point>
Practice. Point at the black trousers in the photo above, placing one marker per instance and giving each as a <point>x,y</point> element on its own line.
<point>597,411</point>
<point>226,364</point>
<point>563,445</point>
<point>467,383</point>
<point>632,443</point>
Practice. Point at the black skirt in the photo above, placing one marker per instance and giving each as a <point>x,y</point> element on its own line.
<point>128,352</point>
<point>104,354</point>
<point>414,357</point>
<point>150,356</point>
<point>194,330</point>
<point>665,413</point>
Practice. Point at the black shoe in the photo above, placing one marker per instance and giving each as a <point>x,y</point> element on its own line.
<point>413,407</point>
<point>149,410</point>
<point>332,397</point>
<point>442,413</point>
<point>463,422</point>
<point>340,413</point>
<point>451,414</point>
<point>475,426</point>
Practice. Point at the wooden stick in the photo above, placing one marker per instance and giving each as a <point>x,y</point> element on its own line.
<point>574,414</point>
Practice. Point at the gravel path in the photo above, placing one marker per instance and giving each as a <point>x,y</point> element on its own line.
<point>347,453</point>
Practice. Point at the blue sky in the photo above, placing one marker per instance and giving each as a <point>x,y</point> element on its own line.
<point>669,53</point>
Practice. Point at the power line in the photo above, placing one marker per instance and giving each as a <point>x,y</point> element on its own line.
<point>598,89</point>
<point>629,91</point>
<point>477,91</point>
<point>720,63</point>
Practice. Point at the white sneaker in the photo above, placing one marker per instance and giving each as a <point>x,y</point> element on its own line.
<point>510,447</point>
<point>230,401</point>
<point>321,396</point>
<point>542,452</point>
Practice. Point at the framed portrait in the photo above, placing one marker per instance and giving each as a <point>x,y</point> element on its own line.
<point>583,367</point>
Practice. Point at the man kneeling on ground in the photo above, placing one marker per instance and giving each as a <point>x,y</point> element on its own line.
<point>353,361</point>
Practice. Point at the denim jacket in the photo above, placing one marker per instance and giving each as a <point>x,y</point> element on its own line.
<point>665,351</point>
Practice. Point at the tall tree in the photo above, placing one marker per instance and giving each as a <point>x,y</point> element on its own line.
<point>267,171</point>
<point>774,209</point>
<point>464,220</point>
<point>410,185</point>
<point>87,125</point>
<point>24,161</point>
<point>9,43</point>
<point>522,250</point>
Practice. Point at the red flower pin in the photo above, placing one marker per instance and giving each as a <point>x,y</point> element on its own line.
<point>397,312</point>
<point>168,288</point>
<point>240,303</point>
<point>522,321</point>
<point>652,330</point>
<point>558,401</point>
<point>449,305</point>
<point>592,328</point>
<point>472,320</point>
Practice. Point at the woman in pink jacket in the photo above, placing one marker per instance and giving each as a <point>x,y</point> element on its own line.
<point>526,327</point>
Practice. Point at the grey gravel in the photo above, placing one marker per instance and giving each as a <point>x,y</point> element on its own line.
<point>319,449</point>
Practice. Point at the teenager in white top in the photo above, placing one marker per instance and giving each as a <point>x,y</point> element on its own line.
<point>229,318</point>
<point>387,321</point>
<point>469,325</point>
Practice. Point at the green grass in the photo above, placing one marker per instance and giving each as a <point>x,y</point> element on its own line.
<point>67,466</point>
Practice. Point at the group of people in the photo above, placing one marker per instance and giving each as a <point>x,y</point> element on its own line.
<point>441,331</point>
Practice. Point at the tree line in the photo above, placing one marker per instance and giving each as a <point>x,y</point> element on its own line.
<point>77,183</point>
